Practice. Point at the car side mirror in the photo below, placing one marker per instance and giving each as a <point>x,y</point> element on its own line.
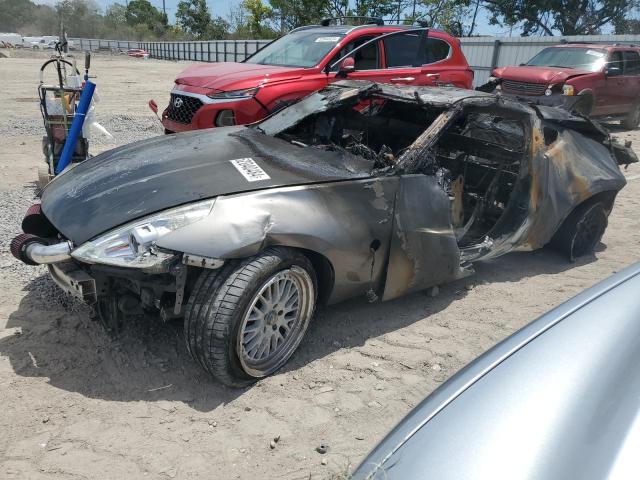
<point>612,70</point>
<point>347,66</point>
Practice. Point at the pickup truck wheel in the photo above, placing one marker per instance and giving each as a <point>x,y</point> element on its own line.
<point>585,106</point>
<point>582,230</point>
<point>631,121</point>
<point>245,321</point>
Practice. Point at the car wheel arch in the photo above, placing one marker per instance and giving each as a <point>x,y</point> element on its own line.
<point>322,266</point>
<point>590,100</point>
<point>607,197</point>
<point>325,273</point>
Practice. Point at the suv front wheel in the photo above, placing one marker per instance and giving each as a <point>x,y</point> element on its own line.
<point>631,121</point>
<point>245,321</point>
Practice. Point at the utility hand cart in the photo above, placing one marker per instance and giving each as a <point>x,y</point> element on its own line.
<point>59,106</point>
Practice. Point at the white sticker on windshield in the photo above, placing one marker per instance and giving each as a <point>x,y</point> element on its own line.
<point>595,53</point>
<point>327,39</point>
<point>250,169</point>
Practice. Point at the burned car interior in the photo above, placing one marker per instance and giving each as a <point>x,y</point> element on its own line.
<point>476,159</point>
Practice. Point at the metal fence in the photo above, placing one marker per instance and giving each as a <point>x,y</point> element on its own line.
<point>199,51</point>
<point>483,53</point>
<point>211,51</point>
<point>95,44</point>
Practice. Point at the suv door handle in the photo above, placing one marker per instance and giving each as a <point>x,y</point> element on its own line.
<point>403,79</point>
<point>433,75</point>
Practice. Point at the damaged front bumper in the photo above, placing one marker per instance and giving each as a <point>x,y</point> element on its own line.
<point>570,103</point>
<point>118,292</point>
<point>74,281</point>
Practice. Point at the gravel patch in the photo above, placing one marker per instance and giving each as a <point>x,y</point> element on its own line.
<point>124,128</point>
<point>27,278</point>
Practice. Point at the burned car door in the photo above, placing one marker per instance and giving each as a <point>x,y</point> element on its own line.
<point>424,250</point>
<point>464,191</point>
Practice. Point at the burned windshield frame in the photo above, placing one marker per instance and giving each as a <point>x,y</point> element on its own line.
<point>419,54</point>
<point>313,104</point>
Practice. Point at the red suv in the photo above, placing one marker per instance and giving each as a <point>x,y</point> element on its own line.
<point>306,60</point>
<point>606,78</point>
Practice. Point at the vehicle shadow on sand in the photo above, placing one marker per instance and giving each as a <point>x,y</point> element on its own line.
<point>149,362</point>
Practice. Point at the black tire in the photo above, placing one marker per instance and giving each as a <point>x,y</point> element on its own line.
<point>218,309</point>
<point>632,120</point>
<point>582,230</point>
<point>585,106</point>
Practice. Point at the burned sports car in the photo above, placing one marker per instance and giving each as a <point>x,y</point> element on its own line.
<point>360,189</point>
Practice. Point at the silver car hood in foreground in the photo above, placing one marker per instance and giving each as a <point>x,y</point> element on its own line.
<point>559,399</point>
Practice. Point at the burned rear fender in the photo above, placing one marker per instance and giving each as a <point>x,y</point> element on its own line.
<point>349,223</point>
<point>561,179</point>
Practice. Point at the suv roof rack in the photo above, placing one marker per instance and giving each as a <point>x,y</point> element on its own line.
<point>325,22</point>
<point>578,42</point>
<point>564,41</point>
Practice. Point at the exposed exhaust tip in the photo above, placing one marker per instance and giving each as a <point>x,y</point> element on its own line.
<point>35,223</point>
<point>19,247</point>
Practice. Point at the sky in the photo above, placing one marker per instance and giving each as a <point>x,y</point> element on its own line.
<point>223,7</point>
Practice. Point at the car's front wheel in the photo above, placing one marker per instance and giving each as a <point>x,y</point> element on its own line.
<point>245,321</point>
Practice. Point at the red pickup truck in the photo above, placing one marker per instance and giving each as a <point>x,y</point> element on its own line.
<point>306,60</point>
<point>606,77</point>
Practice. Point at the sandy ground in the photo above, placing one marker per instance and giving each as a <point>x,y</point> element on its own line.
<point>77,404</point>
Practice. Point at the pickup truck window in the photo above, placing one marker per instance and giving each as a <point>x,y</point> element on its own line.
<point>631,63</point>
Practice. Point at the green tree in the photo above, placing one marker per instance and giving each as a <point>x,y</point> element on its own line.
<point>81,18</point>
<point>141,12</point>
<point>453,16</point>
<point>257,19</point>
<point>295,13</point>
<point>194,18</point>
<point>628,26</point>
<point>115,16</point>
<point>218,29</point>
<point>375,8</point>
<point>564,17</point>
<point>15,14</point>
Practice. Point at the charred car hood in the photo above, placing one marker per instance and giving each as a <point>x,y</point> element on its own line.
<point>231,75</point>
<point>548,75</point>
<point>145,177</point>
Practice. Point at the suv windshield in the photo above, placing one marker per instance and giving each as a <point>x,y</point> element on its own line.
<point>590,59</point>
<point>297,49</point>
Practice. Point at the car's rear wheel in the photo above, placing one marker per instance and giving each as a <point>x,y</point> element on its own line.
<point>582,230</point>
<point>245,321</point>
<point>632,120</point>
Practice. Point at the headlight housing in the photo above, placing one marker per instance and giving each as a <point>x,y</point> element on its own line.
<point>235,94</point>
<point>568,90</point>
<point>134,245</point>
